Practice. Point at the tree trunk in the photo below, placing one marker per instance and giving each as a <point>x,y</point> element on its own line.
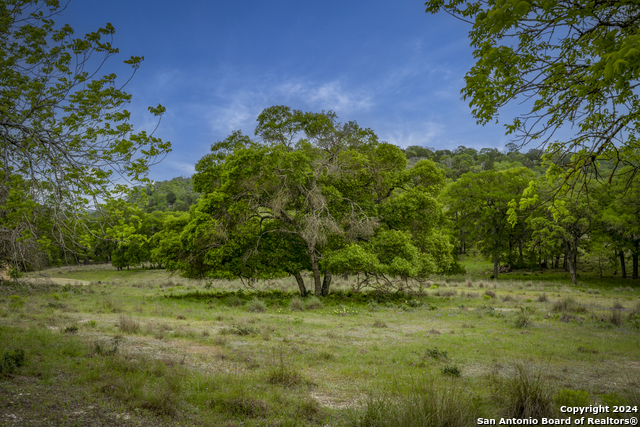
<point>300,280</point>
<point>326,283</point>
<point>315,269</point>
<point>623,267</point>
<point>600,266</point>
<point>634,257</point>
<point>520,259</point>
<point>572,257</point>
<point>565,264</point>
<point>496,266</point>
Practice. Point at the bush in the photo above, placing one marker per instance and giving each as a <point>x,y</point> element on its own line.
<point>452,370</point>
<point>101,347</point>
<point>523,320</point>
<point>616,317</point>
<point>233,301</point>
<point>128,325</point>
<point>525,395</point>
<point>490,293</point>
<point>436,353</point>
<point>11,361</point>
<point>283,372</point>
<point>71,329</point>
<point>242,330</point>
<point>313,303</point>
<point>296,304</point>
<point>15,302</point>
<point>543,298</point>
<point>568,305</point>
<point>379,324</point>
<point>256,305</point>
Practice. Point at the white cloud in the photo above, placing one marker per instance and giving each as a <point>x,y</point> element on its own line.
<point>425,134</point>
<point>331,96</point>
<point>183,168</point>
<point>238,109</point>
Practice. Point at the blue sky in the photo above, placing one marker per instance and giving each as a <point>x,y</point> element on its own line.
<point>215,65</point>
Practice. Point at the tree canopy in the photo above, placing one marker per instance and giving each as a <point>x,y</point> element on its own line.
<point>574,66</point>
<point>310,193</point>
<point>66,137</point>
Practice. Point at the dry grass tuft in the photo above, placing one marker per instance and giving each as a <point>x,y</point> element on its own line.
<point>128,325</point>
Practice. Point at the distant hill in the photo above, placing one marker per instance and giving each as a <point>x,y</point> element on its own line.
<point>174,195</point>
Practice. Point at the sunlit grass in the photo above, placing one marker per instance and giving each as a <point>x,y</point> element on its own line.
<point>253,357</point>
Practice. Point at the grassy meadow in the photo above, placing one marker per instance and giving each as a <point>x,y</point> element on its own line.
<point>142,347</point>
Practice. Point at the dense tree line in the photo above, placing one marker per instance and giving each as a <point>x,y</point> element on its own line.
<point>310,194</point>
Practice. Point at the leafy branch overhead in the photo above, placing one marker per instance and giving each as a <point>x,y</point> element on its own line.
<point>66,137</point>
<point>573,66</point>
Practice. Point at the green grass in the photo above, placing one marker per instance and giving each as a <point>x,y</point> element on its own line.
<point>170,351</point>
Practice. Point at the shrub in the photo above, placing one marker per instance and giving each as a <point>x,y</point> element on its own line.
<point>525,395</point>
<point>372,305</point>
<point>568,304</point>
<point>233,301</point>
<point>490,293</point>
<point>313,303</point>
<point>425,406</point>
<point>256,305</point>
<point>296,304</point>
<point>634,320</point>
<point>446,293</point>
<point>100,347</point>
<point>451,370</point>
<point>71,329</point>
<point>379,324</point>
<point>616,317</point>
<point>435,353</point>
<point>241,330</point>
<point>523,320</point>
<point>128,325</point>
<point>283,372</point>
<point>543,297</point>
<point>15,302</point>
<point>11,361</point>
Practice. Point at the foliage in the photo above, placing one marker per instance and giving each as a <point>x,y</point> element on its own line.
<point>176,194</point>
<point>66,137</point>
<point>312,194</point>
<point>452,371</point>
<point>11,361</point>
<point>479,204</point>
<point>523,320</point>
<point>574,64</point>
